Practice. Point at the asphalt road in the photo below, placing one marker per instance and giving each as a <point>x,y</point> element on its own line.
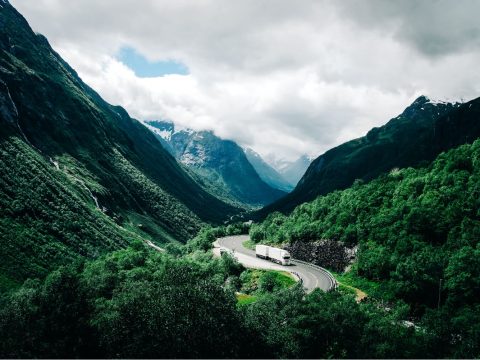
<point>312,277</point>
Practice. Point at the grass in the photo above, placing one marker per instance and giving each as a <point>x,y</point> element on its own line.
<point>147,227</point>
<point>251,279</point>
<point>255,282</point>
<point>351,281</point>
<point>245,299</point>
<point>249,244</point>
<point>285,278</point>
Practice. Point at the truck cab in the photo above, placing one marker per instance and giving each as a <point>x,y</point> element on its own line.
<point>285,258</point>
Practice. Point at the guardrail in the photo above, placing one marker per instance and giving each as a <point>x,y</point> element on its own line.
<point>333,282</point>
<point>297,275</point>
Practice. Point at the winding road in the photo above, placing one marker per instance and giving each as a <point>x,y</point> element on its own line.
<point>312,276</point>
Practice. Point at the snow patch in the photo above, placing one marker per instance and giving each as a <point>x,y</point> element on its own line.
<point>164,134</point>
<point>444,101</point>
<point>197,159</point>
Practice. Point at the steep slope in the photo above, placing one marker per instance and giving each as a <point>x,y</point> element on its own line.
<point>415,137</point>
<point>295,170</point>
<point>266,172</point>
<point>79,176</point>
<point>291,171</point>
<point>413,227</point>
<point>220,162</point>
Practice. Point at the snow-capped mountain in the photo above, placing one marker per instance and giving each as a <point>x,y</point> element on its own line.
<point>220,163</point>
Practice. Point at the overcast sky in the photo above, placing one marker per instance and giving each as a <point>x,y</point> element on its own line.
<point>283,77</point>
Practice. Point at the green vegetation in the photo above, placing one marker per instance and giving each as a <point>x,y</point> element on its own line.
<point>205,238</point>
<point>418,237</point>
<point>245,299</point>
<point>254,284</point>
<point>138,303</point>
<point>261,281</point>
<point>352,281</point>
<point>79,177</point>
<point>249,244</point>
<point>45,219</point>
<point>412,139</point>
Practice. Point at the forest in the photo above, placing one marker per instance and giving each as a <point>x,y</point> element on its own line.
<point>418,260</point>
<point>139,303</point>
<point>417,235</point>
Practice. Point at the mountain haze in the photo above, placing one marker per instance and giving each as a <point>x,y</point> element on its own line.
<point>294,171</point>
<point>267,172</point>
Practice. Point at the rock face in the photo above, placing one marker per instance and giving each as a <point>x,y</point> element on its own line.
<point>268,174</point>
<point>329,254</point>
<point>221,163</point>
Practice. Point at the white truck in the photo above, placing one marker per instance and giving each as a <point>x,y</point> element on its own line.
<point>279,256</point>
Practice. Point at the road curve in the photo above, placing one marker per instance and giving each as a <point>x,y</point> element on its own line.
<point>313,277</point>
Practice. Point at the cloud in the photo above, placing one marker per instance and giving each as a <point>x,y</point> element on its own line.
<point>434,28</point>
<point>283,78</point>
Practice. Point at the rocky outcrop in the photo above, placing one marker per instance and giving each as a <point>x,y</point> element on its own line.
<point>329,254</point>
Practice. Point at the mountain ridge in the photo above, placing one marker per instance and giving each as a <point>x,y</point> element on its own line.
<point>268,174</point>
<point>423,130</point>
<point>80,176</point>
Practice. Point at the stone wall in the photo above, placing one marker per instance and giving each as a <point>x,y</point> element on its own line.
<point>329,254</point>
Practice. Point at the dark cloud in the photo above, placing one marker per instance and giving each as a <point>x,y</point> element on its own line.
<point>279,76</point>
<point>432,27</point>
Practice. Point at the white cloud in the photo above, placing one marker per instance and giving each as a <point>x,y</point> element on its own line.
<point>279,76</point>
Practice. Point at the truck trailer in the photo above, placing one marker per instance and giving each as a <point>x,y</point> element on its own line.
<point>279,256</point>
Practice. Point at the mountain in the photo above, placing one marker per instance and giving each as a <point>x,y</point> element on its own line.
<point>222,164</point>
<point>267,173</point>
<point>414,138</point>
<point>412,232</point>
<point>293,171</point>
<point>79,176</point>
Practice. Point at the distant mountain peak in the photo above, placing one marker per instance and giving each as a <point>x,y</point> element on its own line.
<point>424,99</point>
<point>266,172</point>
<point>220,162</point>
<point>161,124</point>
<point>426,104</point>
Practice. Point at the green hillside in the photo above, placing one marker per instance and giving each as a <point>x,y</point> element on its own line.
<point>414,138</point>
<point>417,231</point>
<point>79,176</point>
